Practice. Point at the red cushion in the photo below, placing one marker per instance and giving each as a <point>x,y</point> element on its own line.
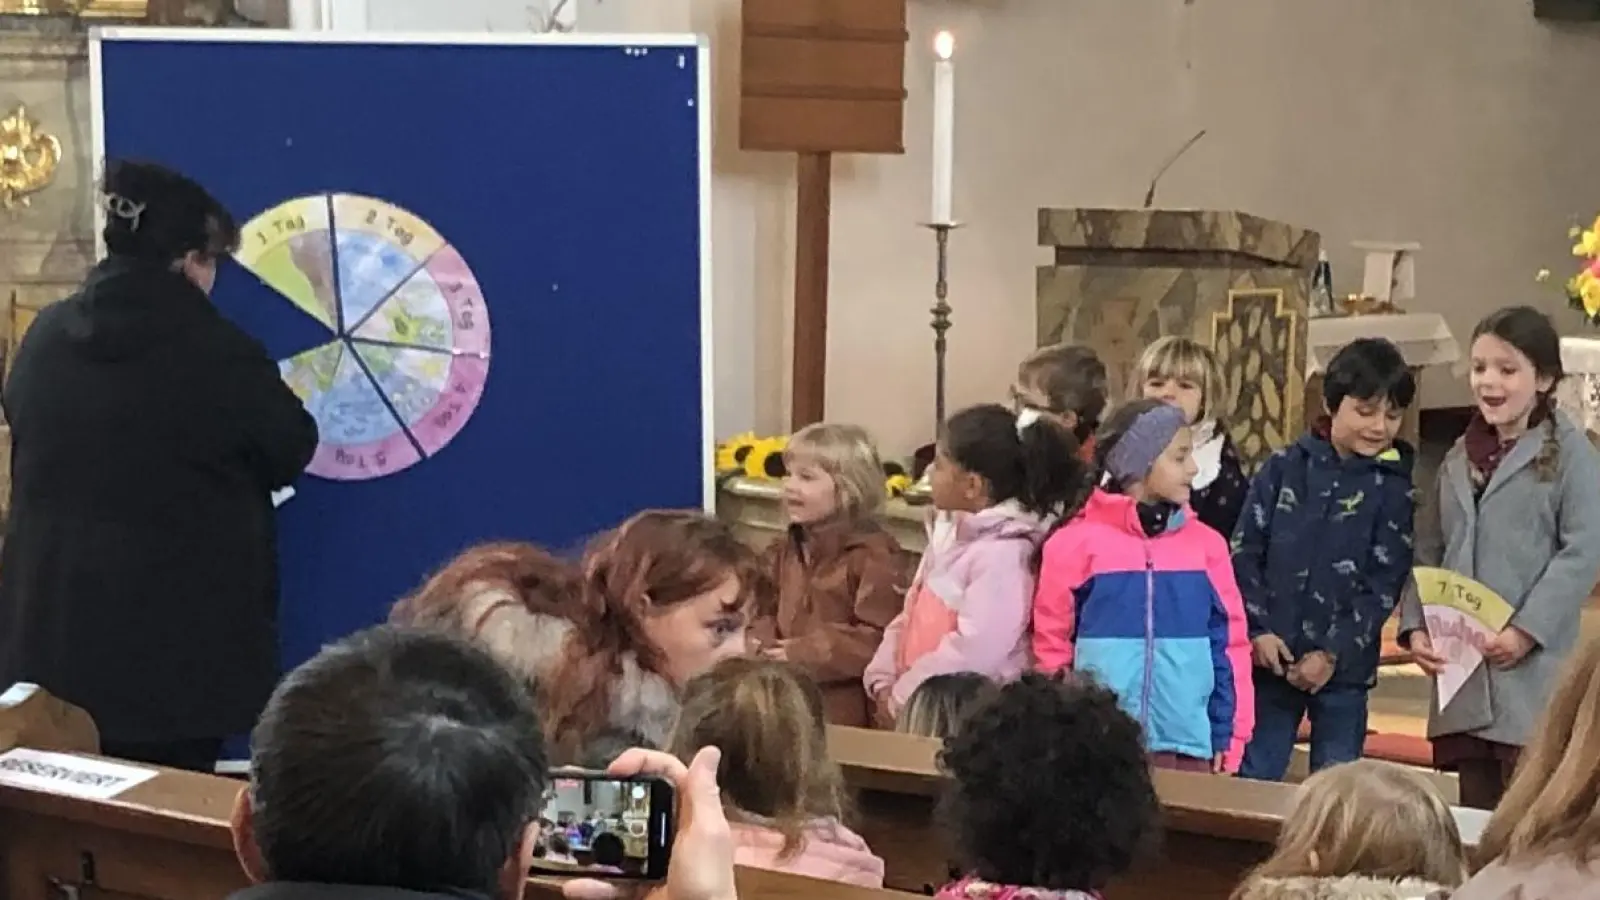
<point>1398,748</point>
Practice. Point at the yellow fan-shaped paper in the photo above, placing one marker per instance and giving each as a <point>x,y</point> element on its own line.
<point>1442,587</point>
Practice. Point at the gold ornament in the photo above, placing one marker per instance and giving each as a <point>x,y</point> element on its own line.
<point>29,158</point>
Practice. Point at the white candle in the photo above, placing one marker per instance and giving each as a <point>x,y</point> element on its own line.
<point>944,128</point>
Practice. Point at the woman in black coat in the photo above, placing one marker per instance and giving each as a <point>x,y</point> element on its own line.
<point>138,577</point>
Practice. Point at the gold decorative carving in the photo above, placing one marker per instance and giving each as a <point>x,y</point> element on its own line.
<point>93,9</point>
<point>29,158</point>
<point>1259,338</point>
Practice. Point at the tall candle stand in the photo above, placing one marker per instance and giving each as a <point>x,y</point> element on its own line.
<point>941,316</point>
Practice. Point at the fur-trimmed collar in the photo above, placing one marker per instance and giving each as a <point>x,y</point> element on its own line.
<point>1349,887</point>
<point>643,704</point>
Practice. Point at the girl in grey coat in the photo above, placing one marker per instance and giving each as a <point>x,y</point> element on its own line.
<point>1517,507</point>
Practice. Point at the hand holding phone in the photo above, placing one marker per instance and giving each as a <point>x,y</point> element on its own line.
<point>703,845</point>
<point>598,824</point>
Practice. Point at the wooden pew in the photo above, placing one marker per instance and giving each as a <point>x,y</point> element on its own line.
<point>168,839</point>
<point>1216,827</point>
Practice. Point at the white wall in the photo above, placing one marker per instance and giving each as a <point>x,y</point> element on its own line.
<point>1462,124</point>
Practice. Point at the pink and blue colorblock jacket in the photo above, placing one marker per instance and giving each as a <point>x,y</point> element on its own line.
<point>1157,619</point>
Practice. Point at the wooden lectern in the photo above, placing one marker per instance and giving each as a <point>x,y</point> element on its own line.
<point>819,77</point>
<point>1123,277</point>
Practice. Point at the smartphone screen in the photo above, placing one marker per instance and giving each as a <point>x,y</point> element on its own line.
<point>596,826</point>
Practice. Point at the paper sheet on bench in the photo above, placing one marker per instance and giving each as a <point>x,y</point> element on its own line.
<point>1462,616</point>
<point>75,776</point>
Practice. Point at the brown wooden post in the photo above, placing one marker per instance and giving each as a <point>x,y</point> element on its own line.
<point>820,77</point>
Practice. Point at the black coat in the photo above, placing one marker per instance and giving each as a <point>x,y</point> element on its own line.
<point>139,578</point>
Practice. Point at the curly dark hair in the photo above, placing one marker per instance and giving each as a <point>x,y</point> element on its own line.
<point>1051,786</point>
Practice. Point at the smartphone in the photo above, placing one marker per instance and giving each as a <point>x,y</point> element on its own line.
<point>594,825</point>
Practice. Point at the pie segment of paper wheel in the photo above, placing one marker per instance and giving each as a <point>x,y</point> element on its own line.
<point>379,247</point>
<point>360,437</point>
<point>432,392</point>
<point>290,248</point>
<point>439,307</point>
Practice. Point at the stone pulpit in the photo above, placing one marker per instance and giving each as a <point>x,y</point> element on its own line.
<point>1121,278</point>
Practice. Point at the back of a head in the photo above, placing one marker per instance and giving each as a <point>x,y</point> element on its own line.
<point>158,215</point>
<point>940,705</point>
<point>1372,819</point>
<point>541,580</point>
<point>396,758</point>
<point>767,718</point>
<point>1550,807</point>
<point>1050,786</point>
<point>1368,369</point>
<point>1032,462</point>
<point>1066,378</point>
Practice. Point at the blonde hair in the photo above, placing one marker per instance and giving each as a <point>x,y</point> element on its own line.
<point>767,718</point>
<point>848,455</point>
<point>1552,806</point>
<point>1184,359</point>
<point>1367,818</point>
<point>940,705</point>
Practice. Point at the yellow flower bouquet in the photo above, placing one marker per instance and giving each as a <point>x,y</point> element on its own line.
<point>761,458</point>
<point>1583,288</point>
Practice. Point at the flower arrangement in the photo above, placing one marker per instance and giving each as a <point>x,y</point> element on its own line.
<point>1583,288</point>
<point>761,458</point>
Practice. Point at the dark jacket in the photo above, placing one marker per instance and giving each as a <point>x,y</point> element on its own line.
<point>294,890</point>
<point>1323,551</point>
<point>138,578</point>
<point>1218,503</point>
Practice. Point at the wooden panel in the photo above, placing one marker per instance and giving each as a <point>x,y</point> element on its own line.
<point>842,70</point>
<point>823,76</point>
<point>794,125</point>
<point>880,19</point>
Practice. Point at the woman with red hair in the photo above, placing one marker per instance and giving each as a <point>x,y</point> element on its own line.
<point>609,641</point>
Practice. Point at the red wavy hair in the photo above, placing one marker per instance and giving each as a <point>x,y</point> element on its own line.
<point>654,561</point>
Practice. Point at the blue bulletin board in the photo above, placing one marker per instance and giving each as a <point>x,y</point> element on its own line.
<point>506,236</point>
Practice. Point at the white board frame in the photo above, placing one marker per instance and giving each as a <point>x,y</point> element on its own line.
<point>698,42</point>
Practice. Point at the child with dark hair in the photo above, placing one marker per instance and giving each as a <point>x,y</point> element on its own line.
<point>1139,591</point>
<point>998,481</point>
<point>1322,552</point>
<point>149,433</point>
<point>609,853</point>
<point>1051,794</point>
<point>1515,509</point>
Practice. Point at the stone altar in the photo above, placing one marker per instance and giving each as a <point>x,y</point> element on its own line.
<point>1122,278</point>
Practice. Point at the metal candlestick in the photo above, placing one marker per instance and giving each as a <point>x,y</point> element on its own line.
<point>941,316</point>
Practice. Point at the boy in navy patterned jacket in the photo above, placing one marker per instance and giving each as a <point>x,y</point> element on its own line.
<point>1321,555</point>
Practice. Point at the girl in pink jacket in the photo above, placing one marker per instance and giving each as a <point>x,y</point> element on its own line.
<point>783,795</point>
<point>998,481</point>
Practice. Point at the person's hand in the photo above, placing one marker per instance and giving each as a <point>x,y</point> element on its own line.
<point>702,850</point>
<point>1218,764</point>
<point>1423,654</point>
<point>882,710</point>
<point>1271,652</point>
<point>1508,647</point>
<point>1312,672</point>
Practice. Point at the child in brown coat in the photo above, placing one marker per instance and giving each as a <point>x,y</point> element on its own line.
<point>840,576</point>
